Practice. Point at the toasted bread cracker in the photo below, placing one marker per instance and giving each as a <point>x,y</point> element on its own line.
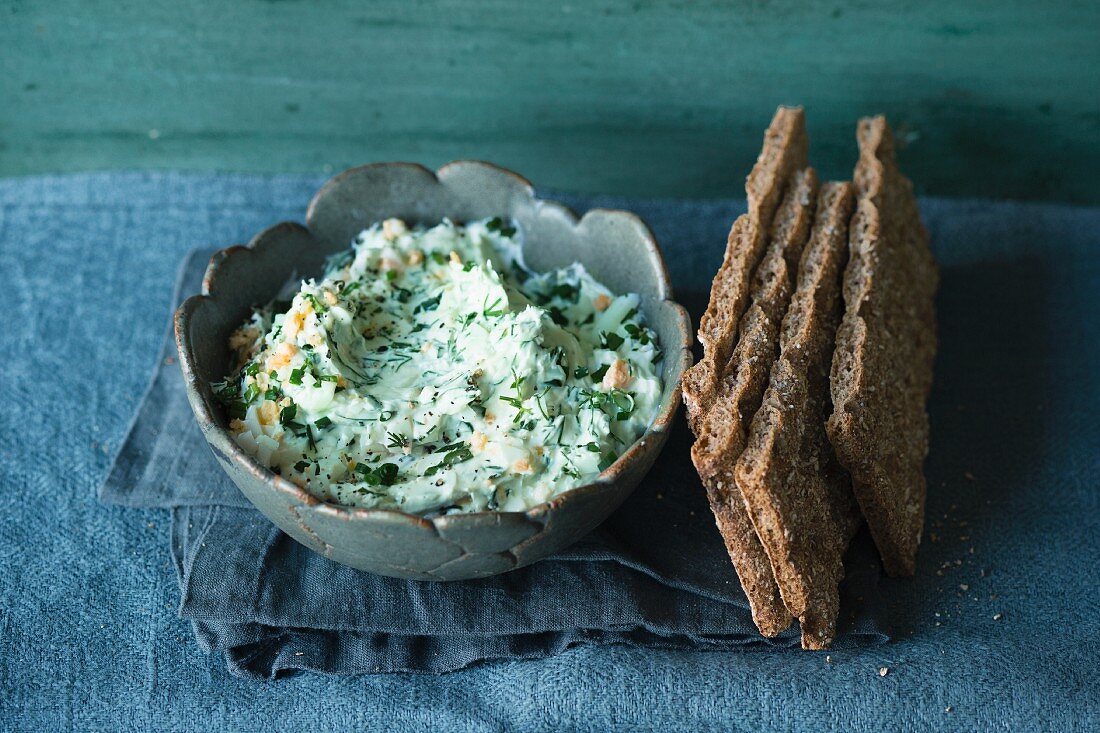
<point>721,435</point>
<point>797,495</point>
<point>882,370</point>
<point>784,152</point>
<point>749,560</point>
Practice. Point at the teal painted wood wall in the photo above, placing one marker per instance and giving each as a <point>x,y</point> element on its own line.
<point>652,97</point>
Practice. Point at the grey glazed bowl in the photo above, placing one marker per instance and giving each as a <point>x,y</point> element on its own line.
<point>616,246</point>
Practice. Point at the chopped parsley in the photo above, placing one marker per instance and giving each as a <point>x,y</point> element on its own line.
<point>496,224</point>
<point>439,391</point>
<point>382,475</point>
<point>611,340</point>
<point>459,454</point>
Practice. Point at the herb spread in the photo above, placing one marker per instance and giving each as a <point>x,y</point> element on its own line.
<point>430,371</point>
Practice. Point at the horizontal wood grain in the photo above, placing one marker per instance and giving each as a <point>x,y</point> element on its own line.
<point>653,98</point>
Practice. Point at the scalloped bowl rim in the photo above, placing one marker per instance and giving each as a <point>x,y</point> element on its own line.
<point>220,438</point>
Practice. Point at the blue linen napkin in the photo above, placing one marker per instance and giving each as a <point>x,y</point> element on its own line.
<point>655,574</point>
<point>997,631</point>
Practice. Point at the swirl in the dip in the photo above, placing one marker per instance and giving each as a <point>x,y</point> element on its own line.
<point>431,372</point>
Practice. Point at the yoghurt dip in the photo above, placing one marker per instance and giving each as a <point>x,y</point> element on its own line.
<point>430,371</point>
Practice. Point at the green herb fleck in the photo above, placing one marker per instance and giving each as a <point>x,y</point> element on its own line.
<point>565,291</point>
<point>611,340</point>
<point>492,311</point>
<point>383,475</point>
<point>623,402</point>
<point>317,305</point>
<point>460,454</point>
<point>496,224</point>
<point>428,304</point>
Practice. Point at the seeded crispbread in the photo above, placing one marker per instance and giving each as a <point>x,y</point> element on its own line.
<point>797,495</point>
<point>721,435</point>
<point>784,152</point>
<point>882,369</point>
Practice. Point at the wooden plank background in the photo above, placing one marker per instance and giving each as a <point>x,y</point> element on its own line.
<point>652,97</point>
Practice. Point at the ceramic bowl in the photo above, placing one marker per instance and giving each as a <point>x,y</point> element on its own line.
<point>616,247</point>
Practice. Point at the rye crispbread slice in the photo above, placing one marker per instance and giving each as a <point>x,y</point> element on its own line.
<point>882,369</point>
<point>721,435</point>
<point>784,152</point>
<point>797,495</point>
